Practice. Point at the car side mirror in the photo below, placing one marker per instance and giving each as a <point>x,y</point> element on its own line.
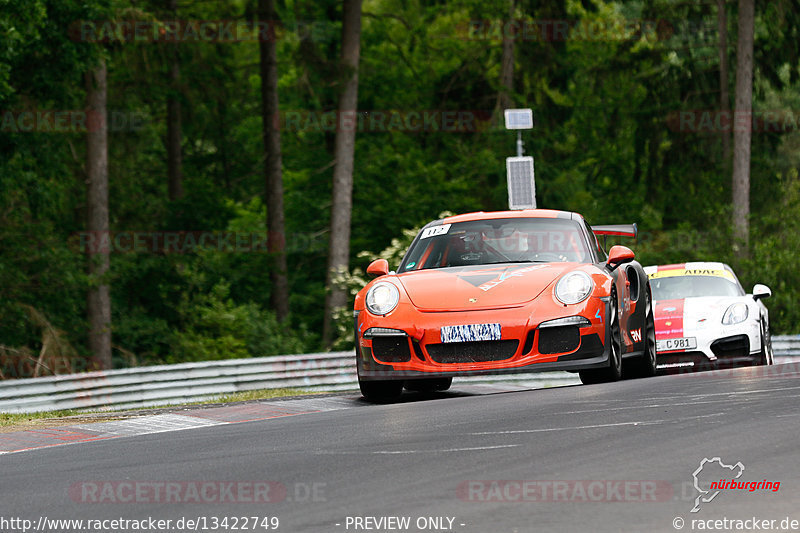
<point>761,291</point>
<point>619,255</point>
<point>379,267</point>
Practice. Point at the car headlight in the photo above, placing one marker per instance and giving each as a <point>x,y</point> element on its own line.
<point>735,314</point>
<point>574,288</point>
<point>382,298</point>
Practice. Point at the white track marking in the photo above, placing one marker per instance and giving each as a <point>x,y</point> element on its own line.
<point>448,450</point>
<point>571,428</point>
<point>147,425</point>
<point>594,426</point>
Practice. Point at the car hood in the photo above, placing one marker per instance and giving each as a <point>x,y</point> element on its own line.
<point>483,287</point>
<point>674,318</point>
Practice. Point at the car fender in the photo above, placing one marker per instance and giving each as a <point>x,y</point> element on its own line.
<point>633,283</point>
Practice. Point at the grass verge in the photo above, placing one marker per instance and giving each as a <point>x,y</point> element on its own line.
<point>22,421</point>
<point>11,419</point>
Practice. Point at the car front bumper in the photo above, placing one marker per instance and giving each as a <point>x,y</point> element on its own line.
<point>525,345</point>
<point>725,346</point>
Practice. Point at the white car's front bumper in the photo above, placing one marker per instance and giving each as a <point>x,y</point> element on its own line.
<point>703,343</point>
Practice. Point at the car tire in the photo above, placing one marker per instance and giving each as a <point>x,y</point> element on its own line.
<point>613,372</point>
<point>766,357</point>
<point>645,365</point>
<point>428,385</point>
<point>385,391</point>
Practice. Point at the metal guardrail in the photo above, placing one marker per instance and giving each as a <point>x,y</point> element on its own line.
<point>786,345</point>
<point>192,382</point>
<point>172,384</point>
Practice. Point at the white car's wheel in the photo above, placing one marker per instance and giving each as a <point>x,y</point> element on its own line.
<point>767,357</point>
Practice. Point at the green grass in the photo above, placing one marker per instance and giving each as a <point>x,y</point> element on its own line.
<point>263,394</point>
<point>7,419</point>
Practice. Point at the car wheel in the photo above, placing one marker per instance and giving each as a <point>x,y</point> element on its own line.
<point>614,370</point>
<point>645,366</point>
<point>428,385</point>
<point>766,357</point>
<point>381,391</point>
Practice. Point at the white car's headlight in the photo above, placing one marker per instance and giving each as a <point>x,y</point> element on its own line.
<point>574,288</point>
<point>382,298</point>
<point>735,314</point>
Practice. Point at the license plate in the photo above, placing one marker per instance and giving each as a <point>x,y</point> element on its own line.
<point>668,345</point>
<point>471,333</point>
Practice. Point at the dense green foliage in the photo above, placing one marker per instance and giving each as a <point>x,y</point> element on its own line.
<point>609,142</point>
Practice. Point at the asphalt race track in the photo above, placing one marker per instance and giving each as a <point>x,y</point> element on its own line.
<point>613,457</point>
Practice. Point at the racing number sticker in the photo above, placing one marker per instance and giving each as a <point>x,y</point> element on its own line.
<point>435,231</point>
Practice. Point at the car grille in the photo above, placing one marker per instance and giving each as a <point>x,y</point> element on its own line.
<point>472,352</point>
<point>560,339</point>
<point>391,349</point>
<point>736,346</point>
<point>591,346</point>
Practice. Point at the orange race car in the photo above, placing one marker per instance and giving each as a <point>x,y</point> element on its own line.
<point>504,292</point>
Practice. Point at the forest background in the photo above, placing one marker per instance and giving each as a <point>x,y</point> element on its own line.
<point>178,258</point>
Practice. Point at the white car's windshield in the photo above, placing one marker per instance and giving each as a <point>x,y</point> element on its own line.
<point>486,242</point>
<point>678,287</point>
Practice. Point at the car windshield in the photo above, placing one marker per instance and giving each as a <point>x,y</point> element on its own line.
<point>679,287</point>
<point>487,242</point>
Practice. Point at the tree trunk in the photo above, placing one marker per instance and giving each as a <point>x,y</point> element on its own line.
<point>724,97</point>
<point>273,167</point>
<point>742,130</point>
<point>174,135</point>
<point>99,298</point>
<point>504,99</point>
<point>342,205</point>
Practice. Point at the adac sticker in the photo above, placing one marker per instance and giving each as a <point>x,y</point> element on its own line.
<point>435,231</point>
<point>691,272</point>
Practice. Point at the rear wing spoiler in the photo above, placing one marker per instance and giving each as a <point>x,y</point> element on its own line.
<point>618,230</point>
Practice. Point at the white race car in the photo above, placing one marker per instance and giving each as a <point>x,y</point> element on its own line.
<point>704,319</point>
